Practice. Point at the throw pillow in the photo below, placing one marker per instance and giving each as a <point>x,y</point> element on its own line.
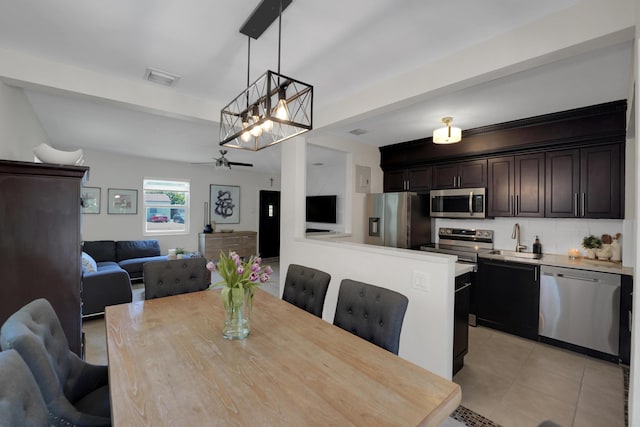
<point>88,264</point>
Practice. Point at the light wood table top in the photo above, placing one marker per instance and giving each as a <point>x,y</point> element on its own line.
<point>170,365</point>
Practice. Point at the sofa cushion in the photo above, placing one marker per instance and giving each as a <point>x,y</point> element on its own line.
<point>129,249</point>
<point>134,266</point>
<point>101,250</point>
<point>108,266</point>
<point>88,263</point>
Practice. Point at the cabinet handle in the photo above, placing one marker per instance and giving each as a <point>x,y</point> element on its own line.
<point>535,274</point>
<point>575,205</point>
<point>584,205</point>
<point>454,181</point>
<point>517,204</point>
<point>511,205</point>
<point>466,285</point>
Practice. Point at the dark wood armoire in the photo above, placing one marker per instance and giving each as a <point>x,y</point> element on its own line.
<point>40,255</point>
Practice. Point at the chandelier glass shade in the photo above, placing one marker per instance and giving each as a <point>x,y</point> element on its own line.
<point>447,134</point>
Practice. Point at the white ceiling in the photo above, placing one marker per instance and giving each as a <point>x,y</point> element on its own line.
<point>339,47</point>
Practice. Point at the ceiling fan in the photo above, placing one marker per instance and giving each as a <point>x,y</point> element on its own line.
<point>222,161</point>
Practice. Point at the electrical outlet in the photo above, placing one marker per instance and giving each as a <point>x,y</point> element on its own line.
<point>420,281</point>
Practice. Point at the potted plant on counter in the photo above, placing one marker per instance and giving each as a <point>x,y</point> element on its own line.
<point>591,243</point>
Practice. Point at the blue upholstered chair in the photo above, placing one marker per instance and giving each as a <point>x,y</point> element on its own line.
<point>76,393</point>
<point>306,288</point>
<point>179,276</point>
<point>371,312</point>
<point>21,403</point>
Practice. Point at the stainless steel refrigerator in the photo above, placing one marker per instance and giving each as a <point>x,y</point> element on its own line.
<point>400,220</point>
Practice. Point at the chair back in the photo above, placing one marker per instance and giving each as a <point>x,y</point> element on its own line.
<point>173,277</point>
<point>75,392</point>
<point>35,332</point>
<point>371,312</point>
<point>306,288</point>
<point>21,403</point>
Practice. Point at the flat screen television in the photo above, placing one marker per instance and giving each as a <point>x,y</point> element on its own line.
<point>321,209</point>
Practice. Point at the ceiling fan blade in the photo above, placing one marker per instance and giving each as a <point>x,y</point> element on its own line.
<point>240,164</point>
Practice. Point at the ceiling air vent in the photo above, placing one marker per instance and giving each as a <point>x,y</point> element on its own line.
<point>161,77</point>
<point>358,131</point>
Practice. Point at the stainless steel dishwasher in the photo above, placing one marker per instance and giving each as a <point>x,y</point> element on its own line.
<point>580,307</point>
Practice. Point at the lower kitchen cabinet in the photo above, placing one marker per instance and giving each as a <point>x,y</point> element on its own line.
<point>461,320</point>
<point>507,296</point>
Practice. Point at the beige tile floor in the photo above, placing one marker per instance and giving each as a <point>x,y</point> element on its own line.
<point>518,382</point>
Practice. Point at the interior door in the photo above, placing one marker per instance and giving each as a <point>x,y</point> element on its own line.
<point>269,224</point>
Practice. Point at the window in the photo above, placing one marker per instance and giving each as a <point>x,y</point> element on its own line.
<point>166,206</point>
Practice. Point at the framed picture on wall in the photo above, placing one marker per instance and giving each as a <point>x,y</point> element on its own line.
<point>90,200</point>
<point>224,203</point>
<point>122,201</point>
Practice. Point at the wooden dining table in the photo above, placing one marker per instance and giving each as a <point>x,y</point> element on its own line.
<point>169,365</point>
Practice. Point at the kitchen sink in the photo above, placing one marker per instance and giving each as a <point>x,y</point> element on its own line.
<point>514,254</point>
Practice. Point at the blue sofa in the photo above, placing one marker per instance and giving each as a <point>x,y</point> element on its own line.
<point>130,255</point>
<point>109,267</point>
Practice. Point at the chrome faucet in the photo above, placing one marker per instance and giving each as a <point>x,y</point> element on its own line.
<point>516,235</point>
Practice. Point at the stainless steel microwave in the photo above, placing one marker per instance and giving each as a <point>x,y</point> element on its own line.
<point>458,203</point>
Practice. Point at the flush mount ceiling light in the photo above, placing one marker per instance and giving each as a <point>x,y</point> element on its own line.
<point>447,134</point>
<point>275,107</point>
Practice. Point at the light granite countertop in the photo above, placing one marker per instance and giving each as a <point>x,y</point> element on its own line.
<point>565,261</point>
<point>462,268</point>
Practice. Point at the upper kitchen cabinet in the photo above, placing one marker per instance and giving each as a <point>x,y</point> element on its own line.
<point>585,182</point>
<point>468,174</point>
<point>516,186</point>
<point>413,179</point>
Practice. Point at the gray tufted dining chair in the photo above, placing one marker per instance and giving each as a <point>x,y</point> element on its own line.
<point>371,312</point>
<point>76,393</point>
<point>173,277</point>
<point>306,288</point>
<point>21,403</point>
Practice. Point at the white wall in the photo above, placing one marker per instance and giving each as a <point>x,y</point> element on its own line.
<point>109,170</point>
<point>424,340</point>
<point>329,179</point>
<point>20,130</point>
<point>355,203</point>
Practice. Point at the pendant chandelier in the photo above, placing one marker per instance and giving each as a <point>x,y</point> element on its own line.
<point>275,107</point>
<point>447,134</point>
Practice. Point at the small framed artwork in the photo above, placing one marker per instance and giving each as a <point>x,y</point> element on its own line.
<point>90,200</point>
<point>225,204</point>
<point>122,201</point>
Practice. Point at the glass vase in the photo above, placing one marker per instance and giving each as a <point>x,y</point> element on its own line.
<point>237,315</point>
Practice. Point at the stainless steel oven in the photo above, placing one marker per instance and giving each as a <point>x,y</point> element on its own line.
<point>466,244</point>
<point>458,203</point>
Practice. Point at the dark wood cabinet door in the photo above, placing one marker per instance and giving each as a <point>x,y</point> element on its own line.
<point>601,175</point>
<point>394,181</point>
<point>472,174</point>
<point>445,176</point>
<point>562,183</point>
<point>419,179</point>
<point>508,297</point>
<point>469,174</point>
<point>529,185</point>
<point>40,242</point>
<point>500,177</point>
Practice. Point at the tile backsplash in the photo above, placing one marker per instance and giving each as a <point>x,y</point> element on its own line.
<point>557,235</point>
